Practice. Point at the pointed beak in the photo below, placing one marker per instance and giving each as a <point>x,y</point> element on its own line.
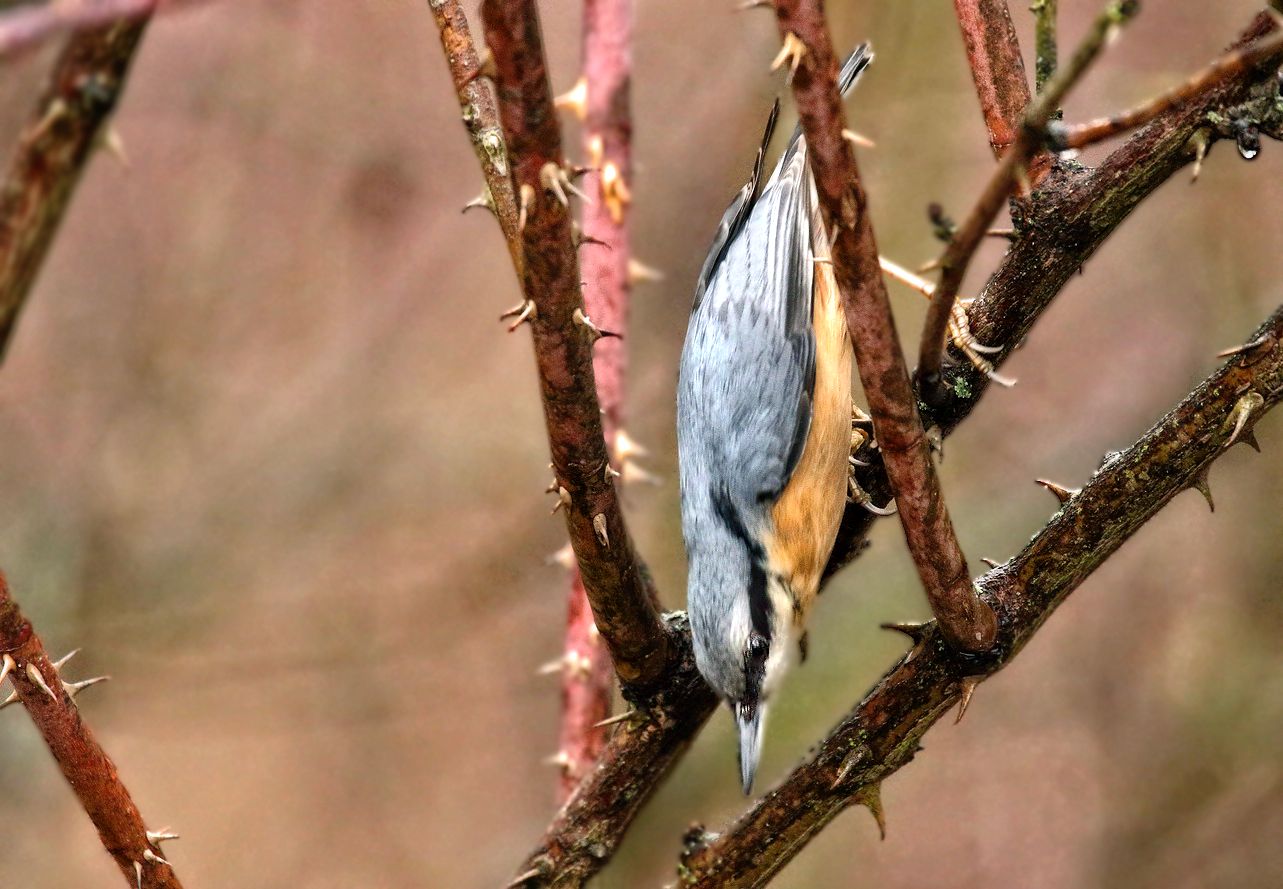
<point>752,723</point>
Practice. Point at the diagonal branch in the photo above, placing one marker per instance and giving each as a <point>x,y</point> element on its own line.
<point>65,128</point>
<point>623,602</point>
<point>1074,212</point>
<point>1029,140</point>
<point>30,25</point>
<point>87,768</point>
<point>1046,48</point>
<point>967,622</point>
<point>882,733</point>
<point>993,53</point>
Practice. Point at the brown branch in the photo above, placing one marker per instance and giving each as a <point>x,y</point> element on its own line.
<point>623,602</point>
<point>1029,140</point>
<point>28,26</point>
<point>607,132</point>
<point>1082,135</point>
<point>1045,45</point>
<point>61,135</point>
<point>1074,212</point>
<point>87,768</point>
<point>993,53</point>
<point>881,734</point>
<point>481,119</point>
<point>966,621</point>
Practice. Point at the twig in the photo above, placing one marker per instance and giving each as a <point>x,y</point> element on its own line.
<point>881,734</point>
<point>1084,134</point>
<point>1028,141</point>
<point>623,602</point>
<point>1045,45</point>
<point>29,25</point>
<point>993,53</point>
<point>606,131</point>
<point>481,120</point>
<point>966,621</point>
<point>87,768</point>
<point>60,137</point>
<point>587,831</point>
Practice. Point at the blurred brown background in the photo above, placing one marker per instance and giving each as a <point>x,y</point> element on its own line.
<point>269,458</point>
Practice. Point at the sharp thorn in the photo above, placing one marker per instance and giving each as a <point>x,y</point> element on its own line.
<point>7,666</point>
<point>138,874</point>
<point>1061,493</point>
<point>1249,438</point>
<point>599,528</point>
<point>74,688</point>
<point>1248,404</point>
<point>1202,484</point>
<point>9,701</point>
<point>149,855</point>
<point>968,688</point>
<point>65,659</point>
<point>34,674</point>
<point>560,759</point>
<point>849,765</point>
<point>1260,345</point>
<point>574,99</point>
<point>593,330</point>
<point>527,202</point>
<point>552,667</point>
<point>522,879</point>
<point>626,447</point>
<point>634,474</point>
<point>871,798</point>
<point>614,720</point>
<point>485,67</point>
<point>565,557</point>
<point>916,631</point>
<point>482,200</point>
<point>990,562</point>
<point>156,837</point>
<point>754,4</point>
<point>640,273</point>
<point>526,311</point>
<point>858,140</point>
<point>889,509</point>
<point>114,145</point>
<point>791,53</point>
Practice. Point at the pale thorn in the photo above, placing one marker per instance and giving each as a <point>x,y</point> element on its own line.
<point>560,759</point>
<point>565,557</point>
<point>58,664</point>
<point>555,179</point>
<point>1060,492</point>
<point>626,447</point>
<point>587,323</point>
<point>899,273</point>
<point>1202,484</point>
<point>138,873</point>
<point>7,666</point>
<point>74,688</point>
<point>552,667</point>
<point>754,4</point>
<point>858,140</point>
<point>871,798</point>
<point>481,200</point>
<point>596,151</point>
<point>594,634</point>
<point>149,855</point>
<point>608,472</point>
<point>115,146</point>
<point>849,764</point>
<point>527,201</point>
<point>1199,140</point>
<point>57,108</point>
<point>157,837</point>
<point>523,878</point>
<point>968,688</point>
<point>1263,343</point>
<point>486,67</point>
<point>574,99</point>
<point>615,191</point>
<point>615,720</point>
<point>634,474</point>
<point>523,312</point>
<point>1248,404</point>
<point>992,563</point>
<point>9,701</point>
<point>563,499</point>
<point>641,273</point>
<point>599,527</point>
<point>34,674</point>
<point>791,53</point>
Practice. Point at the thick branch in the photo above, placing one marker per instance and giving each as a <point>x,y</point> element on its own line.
<point>966,621</point>
<point>87,768</point>
<point>882,733</point>
<point>481,119</point>
<point>60,137</point>
<point>622,600</point>
<point>993,52</point>
<point>1072,215</point>
<point>1082,135</point>
<point>1046,48</point>
<point>1028,141</point>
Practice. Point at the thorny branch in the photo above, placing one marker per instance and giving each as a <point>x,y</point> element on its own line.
<point>481,120</point>
<point>30,25</point>
<point>967,622</point>
<point>67,125</point>
<point>1029,140</point>
<point>87,768</point>
<point>882,732</point>
<point>623,601</point>
<point>993,53</point>
<point>601,101</point>
<point>1073,213</point>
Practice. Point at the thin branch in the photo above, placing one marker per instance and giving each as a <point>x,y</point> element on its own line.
<point>606,133</point>
<point>993,52</point>
<point>881,734</point>
<point>966,621</point>
<point>87,768</point>
<point>61,135</point>
<point>28,26</point>
<point>1045,45</point>
<point>480,119</point>
<point>623,602</point>
<point>1082,135</point>
<point>1028,141</point>
<point>1073,215</point>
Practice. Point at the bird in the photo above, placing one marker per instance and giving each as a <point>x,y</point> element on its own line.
<point>764,433</point>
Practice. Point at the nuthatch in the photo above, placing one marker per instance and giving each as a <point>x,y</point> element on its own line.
<point>763,433</point>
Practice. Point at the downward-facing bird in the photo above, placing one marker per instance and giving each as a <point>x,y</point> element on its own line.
<point>763,433</point>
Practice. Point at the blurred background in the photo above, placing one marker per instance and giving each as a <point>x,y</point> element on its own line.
<point>269,458</point>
